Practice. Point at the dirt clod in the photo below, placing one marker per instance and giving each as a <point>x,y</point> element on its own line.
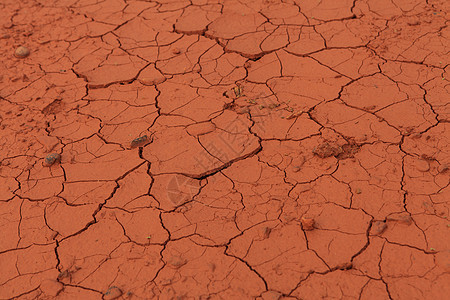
<point>327,150</point>
<point>307,224</point>
<point>349,150</point>
<point>340,152</point>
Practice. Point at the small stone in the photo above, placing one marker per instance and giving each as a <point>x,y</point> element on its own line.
<point>51,159</point>
<point>307,224</point>
<point>22,52</point>
<point>176,51</point>
<point>51,287</point>
<point>112,293</point>
<point>140,142</point>
<point>378,227</point>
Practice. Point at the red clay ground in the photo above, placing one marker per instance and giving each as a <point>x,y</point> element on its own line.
<point>287,149</point>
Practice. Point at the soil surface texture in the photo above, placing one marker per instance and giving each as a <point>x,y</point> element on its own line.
<point>224,149</point>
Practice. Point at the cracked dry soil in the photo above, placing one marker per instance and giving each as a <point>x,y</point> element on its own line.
<point>224,149</point>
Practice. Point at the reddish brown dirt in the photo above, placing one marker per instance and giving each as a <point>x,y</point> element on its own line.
<point>224,149</point>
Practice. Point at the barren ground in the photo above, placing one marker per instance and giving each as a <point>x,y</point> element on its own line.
<point>225,149</point>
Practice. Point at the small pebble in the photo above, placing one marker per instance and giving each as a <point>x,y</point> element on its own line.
<point>112,293</point>
<point>307,224</point>
<point>22,52</point>
<point>139,142</point>
<point>51,159</point>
